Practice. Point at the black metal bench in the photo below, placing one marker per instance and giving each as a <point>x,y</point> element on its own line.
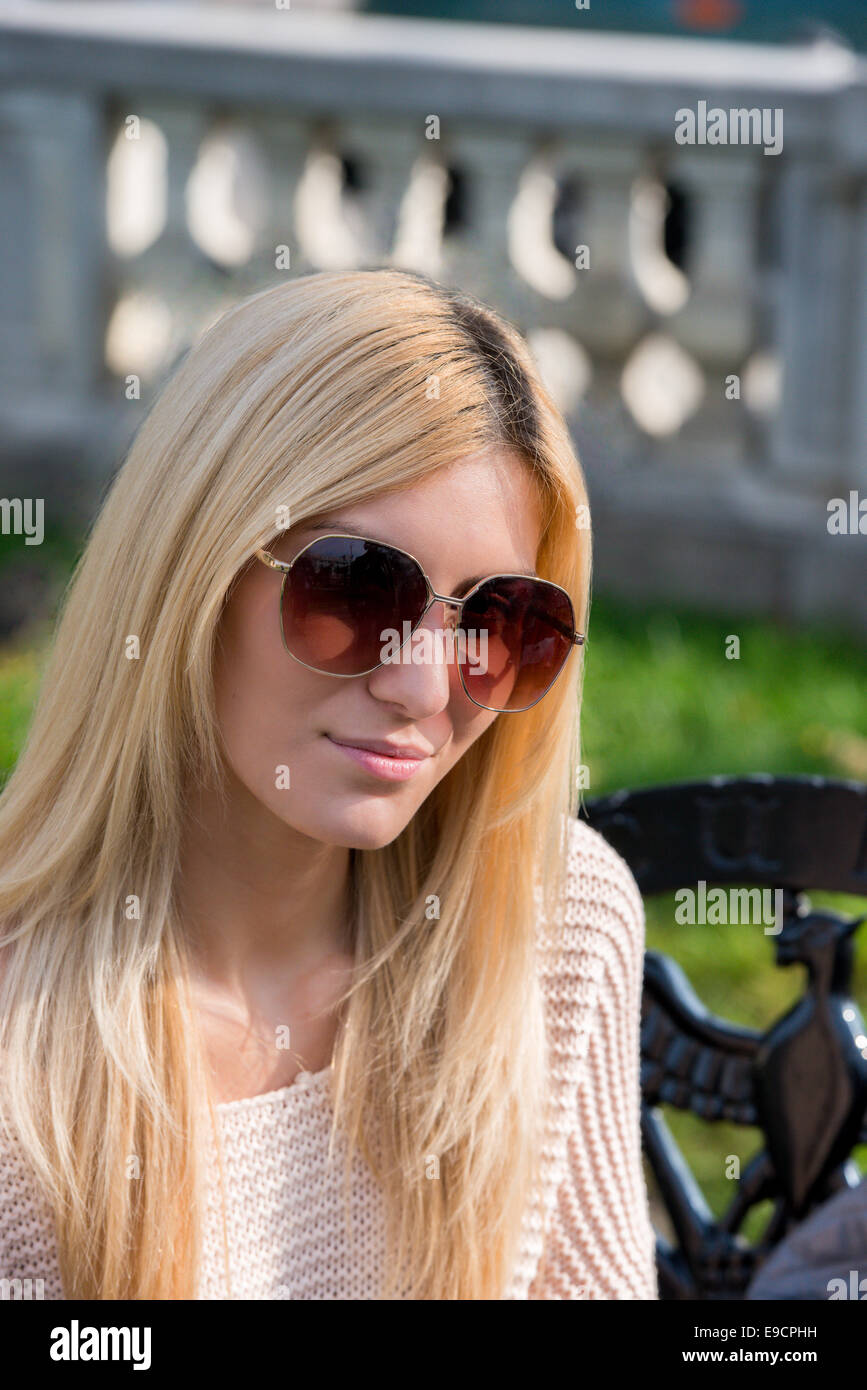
<point>803,1082</point>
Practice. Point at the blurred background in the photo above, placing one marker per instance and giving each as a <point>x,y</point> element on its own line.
<point>699,312</point>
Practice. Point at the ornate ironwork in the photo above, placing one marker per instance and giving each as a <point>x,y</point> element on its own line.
<point>803,1082</point>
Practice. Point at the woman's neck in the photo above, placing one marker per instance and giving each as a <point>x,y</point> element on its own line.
<point>254,894</point>
<point>266,915</point>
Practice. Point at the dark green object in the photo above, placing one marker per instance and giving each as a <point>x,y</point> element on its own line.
<point>749,21</point>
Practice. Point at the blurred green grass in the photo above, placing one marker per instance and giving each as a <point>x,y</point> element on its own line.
<point>663,704</point>
<point>20,673</point>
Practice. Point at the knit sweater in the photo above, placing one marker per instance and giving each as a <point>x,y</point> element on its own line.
<point>586,1233</point>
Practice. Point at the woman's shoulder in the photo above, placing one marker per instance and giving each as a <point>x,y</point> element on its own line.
<point>601,890</point>
<point>591,961</point>
<point>599,947</point>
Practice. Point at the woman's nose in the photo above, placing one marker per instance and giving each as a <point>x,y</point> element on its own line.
<point>422,673</point>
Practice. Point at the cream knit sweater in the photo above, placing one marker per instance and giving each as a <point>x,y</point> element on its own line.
<point>587,1232</point>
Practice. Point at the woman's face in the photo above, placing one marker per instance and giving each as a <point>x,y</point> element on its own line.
<point>479,516</point>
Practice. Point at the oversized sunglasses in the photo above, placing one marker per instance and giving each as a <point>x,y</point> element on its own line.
<point>342,593</point>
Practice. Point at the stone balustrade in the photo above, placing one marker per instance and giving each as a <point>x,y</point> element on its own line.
<point>699,309</point>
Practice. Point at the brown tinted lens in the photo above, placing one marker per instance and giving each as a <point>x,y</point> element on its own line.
<point>521,630</point>
<point>340,597</point>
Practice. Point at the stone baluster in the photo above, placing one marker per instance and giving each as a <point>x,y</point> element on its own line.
<point>386,151</point>
<point>285,143</point>
<point>819,240</point>
<point>173,267</point>
<point>606,312</point>
<point>52,173</point>
<point>491,161</point>
<point>721,186</point>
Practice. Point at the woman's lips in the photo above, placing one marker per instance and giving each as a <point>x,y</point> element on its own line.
<point>382,765</point>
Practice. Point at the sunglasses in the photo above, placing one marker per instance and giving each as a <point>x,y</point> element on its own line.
<point>341,593</point>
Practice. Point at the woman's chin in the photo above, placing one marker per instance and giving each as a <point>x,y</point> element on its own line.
<point>367,824</point>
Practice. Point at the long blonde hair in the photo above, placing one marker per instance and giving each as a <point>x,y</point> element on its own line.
<point>311,395</point>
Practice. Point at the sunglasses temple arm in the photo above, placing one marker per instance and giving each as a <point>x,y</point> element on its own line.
<point>575,637</point>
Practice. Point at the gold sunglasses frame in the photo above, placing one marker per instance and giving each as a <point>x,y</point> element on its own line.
<point>284,567</point>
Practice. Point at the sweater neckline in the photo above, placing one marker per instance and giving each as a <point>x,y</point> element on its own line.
<point>305,1082</point>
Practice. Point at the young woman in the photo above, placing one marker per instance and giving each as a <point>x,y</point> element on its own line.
<point>311,985</point>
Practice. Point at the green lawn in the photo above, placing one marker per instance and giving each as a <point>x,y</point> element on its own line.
<point>663,704</point>
<point>20,667</point>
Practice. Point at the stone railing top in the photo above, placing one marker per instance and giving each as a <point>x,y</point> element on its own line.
<point>542,77</point>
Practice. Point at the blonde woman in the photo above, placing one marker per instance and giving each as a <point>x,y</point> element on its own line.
<point>311,985</point>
